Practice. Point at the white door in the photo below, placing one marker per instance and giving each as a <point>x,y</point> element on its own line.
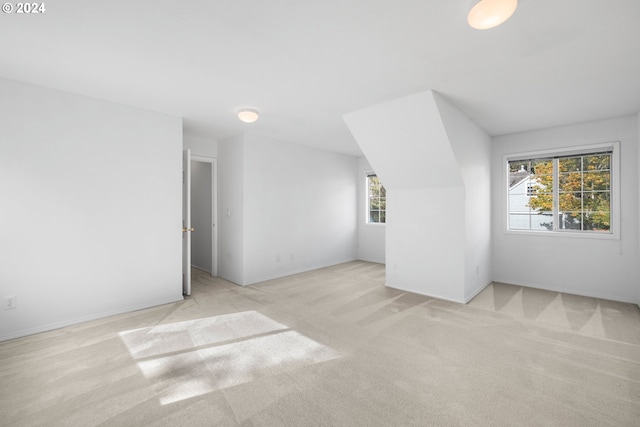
<point>186,222</point>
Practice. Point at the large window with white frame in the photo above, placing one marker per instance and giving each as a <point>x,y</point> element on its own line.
<point>376,200</point>
<point>564,191</point>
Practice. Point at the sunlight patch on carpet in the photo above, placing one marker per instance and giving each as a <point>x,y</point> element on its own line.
<point>191,358</point>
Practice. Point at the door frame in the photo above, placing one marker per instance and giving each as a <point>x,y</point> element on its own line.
<point>186,222</point>
<point>214,209</point>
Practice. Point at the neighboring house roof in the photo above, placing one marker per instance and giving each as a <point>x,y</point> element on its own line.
<point>516,178</point>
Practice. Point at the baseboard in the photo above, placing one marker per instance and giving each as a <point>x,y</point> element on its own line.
<point>201,268</point>
<point>77,320</point>
<point>297,271</point>
<point>440,297</point>
<point>471,296</point>
<point>375,261</point>
<point>372,262</point>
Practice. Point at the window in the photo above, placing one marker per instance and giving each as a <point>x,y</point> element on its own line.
<point>567,191</point>
<point>376,200</point>
<point>530,190</point>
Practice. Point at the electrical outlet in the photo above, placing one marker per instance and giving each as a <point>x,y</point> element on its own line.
<point>9,302</point>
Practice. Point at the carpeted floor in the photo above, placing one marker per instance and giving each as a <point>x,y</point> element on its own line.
<point>334,347</point>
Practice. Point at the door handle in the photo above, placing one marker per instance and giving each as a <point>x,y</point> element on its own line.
<point>185,229</point>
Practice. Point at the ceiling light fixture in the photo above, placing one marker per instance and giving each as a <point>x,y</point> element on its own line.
<point>487,14</point>
<point>248,115</point>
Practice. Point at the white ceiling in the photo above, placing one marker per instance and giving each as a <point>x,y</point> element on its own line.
<point>304,63</point>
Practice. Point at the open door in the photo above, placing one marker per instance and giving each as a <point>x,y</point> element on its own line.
<point>186,222</point>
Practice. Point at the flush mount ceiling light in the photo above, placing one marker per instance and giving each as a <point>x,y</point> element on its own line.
<point>248,115</point>
<point>487,14</point>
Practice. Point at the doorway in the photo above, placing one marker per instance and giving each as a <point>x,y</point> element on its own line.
<point>204,239</point>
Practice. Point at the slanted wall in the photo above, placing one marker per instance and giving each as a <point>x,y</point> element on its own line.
<point>472,149</point>
<point>407,145</point>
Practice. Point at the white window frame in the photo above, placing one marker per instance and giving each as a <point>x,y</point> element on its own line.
<point>614,232</point>
<point>367,174</point>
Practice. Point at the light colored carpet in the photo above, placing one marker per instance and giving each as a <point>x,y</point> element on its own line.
<point>334,347</point>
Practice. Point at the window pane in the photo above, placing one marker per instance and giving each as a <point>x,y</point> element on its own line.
<point>373,189</point>
<point>518,221</point>
<point>596,211</point>
<point>570,202</point>
<point>535,222</point>
<point>521,187</point>
<point>600,180</point>
<point>531,194</point>
<point>599,162</point>
<point>571,181</point>
<point>597,221</point>
<point>542,167</point>
<point>542,187</point>
<point>542,182</point>
<point>542,221</point>
<point>570,221</point>
<point>383,216</point>
<point>570,164</point>
<point>596,201</point>
<point>541,202</point>
<point>374,203</point>
<point>518,165</point>
<point>376,200</point>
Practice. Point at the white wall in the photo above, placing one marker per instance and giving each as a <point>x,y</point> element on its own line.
<point>406,142</point>
<point>91,208</point>
<point>200,146</point>
<point>371,241</point>
<point>472,149</point>
<point>593,267</point>
<point>425,243</point>
<point>299,206</point>
<point>201,215</point>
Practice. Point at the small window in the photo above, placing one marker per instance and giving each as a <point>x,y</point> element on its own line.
<point>376,200</point>
<point>530,190</point>
<point>562,192</point>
